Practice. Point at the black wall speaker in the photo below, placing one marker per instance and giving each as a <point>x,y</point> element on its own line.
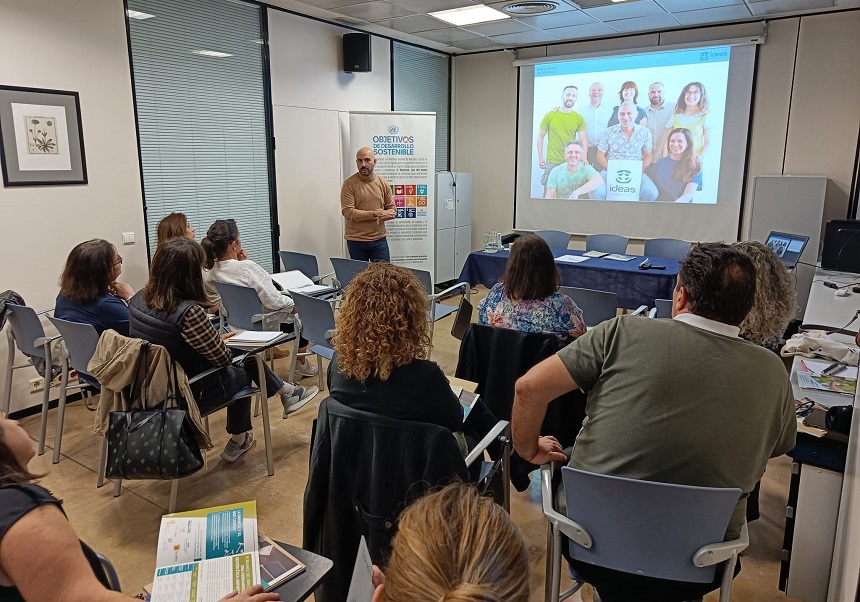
<point>356,53</point>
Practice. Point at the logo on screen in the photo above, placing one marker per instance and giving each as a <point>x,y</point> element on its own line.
<point>704,56</point>
<point>623,176</point>
<point>393,129</point>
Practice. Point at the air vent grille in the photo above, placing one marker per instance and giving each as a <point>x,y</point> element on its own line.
<point>530,7</point>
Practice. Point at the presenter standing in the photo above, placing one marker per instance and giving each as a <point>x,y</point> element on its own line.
<point>366,203</point>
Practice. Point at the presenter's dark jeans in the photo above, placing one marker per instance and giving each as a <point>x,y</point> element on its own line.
<point>371,250</point>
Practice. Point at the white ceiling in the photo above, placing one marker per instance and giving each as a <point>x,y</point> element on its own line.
<point>408,20</point>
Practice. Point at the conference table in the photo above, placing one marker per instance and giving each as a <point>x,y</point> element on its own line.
<point>633,286</point>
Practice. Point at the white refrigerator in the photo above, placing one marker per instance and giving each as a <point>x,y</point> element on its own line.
<point>453,223</point>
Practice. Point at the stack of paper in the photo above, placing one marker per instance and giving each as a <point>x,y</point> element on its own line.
<point>256,338</point>
<point>294,280</point>
<point>620,257</point>
<point>572,258</point>
<point>594,254</point>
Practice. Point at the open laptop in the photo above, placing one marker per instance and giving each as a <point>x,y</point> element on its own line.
<point>788,247</point>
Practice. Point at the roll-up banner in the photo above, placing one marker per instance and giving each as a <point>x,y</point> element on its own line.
<point>405,149</point>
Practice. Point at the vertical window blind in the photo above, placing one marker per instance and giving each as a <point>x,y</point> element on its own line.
<point>421,84</point>
<point>200,95</point>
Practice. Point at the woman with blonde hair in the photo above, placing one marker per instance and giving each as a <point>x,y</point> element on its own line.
<point>775,299</point>
<point>381,349</point>
<point>175,225</point>
<point>456,546</point>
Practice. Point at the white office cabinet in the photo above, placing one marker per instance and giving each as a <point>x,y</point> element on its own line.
<point>453,223</point>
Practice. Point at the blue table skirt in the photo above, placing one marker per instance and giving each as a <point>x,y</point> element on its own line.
<point>634,287</point>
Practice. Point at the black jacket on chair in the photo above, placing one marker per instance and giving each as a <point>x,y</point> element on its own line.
<point>364,470</point>
<point>495,358</point>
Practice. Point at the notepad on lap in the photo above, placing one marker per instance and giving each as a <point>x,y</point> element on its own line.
<point>255,337</point>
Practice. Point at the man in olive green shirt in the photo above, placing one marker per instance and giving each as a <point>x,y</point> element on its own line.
<point>563,124</point>
<point>681,401</point>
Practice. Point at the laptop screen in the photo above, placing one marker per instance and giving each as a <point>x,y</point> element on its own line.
<point>788,247</point>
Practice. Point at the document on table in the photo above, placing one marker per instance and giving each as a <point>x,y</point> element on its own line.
<point>206,554</point>
<point>620,257</point>
<point>594,254</point>
<point>572,258</point>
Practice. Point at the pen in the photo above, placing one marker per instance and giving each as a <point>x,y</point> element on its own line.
<point>832,369</point>
<point>805,367</point>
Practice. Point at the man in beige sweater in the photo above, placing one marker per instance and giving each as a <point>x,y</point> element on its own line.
<point>366,202</point>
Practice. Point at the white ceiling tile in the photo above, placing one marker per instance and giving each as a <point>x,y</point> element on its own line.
<point>713,15</point>
<point>644,23</point>
<point>413,23</point>
<point>427,6</point>
<point>683,5</point>
<point>330,3</point>
<point>497,28</point>
<point>773,7</point>
<point>553,20</point>
<point>373,11</point>
<point>478,44</point>
<point>448,36</point>
<point>591,30</point>
<point>623,10</point>
<point>527,37</point>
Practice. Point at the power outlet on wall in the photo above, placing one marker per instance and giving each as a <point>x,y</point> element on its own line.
<point>36,385</point>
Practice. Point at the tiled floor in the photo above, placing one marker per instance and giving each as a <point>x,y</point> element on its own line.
<point>125,528</point>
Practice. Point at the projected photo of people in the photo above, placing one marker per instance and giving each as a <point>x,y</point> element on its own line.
<point>678,175</point>
<point>691,112</point>
<point>629,92</point>
<point>779,245</point>
<point>626,150</point>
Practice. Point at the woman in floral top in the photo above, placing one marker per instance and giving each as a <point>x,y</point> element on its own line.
<point>526,298</point>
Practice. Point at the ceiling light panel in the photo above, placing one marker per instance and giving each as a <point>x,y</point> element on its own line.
<point>469,15</point>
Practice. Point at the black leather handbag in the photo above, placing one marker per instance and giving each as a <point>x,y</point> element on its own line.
<point>155,443</point>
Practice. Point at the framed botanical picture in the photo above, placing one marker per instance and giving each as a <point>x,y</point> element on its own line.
<point>41,137</point>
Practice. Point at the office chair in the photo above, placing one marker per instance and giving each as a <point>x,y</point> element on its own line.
<point>345,270</point>
<point>27,334</point>
<point>314,317</point>
<point>556,239</point>
<point>658,530</point>
<point>596,306</point>
<point>662,309</point>
<point>606,243</point>
<point>80,342</point>
<point>437,310</point>
<point>303,262</point>
<point>668,248</point>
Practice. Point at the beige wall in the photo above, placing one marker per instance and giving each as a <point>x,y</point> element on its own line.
<point>79,46</point>
<point>805,102</point>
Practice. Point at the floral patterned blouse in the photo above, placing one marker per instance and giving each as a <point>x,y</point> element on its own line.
<point>557,314</point>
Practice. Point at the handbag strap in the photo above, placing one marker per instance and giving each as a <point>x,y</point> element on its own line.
<point>827,329</point>
<point>140,375</point>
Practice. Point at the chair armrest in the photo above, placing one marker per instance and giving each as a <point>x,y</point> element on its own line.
<point>449,292</point>
<point>725,550</point>
<point>502,427</point>
<point>576,532</point>
<point>319,279</point>
<point>260,317</point>
<point>640,311</point>
<point>42,341</point>
<point>202,375</point>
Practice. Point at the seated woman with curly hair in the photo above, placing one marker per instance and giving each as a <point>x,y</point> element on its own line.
<point>381,348</point>
<point>527,298</point>
<point>457,546</point>
<point>775,300</point>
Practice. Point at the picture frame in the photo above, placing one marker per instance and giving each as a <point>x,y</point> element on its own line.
<point>41,137</point>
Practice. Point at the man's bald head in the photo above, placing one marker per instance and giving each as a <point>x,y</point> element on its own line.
<point>365,160</point>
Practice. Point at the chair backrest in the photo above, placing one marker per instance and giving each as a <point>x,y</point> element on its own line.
<point>596,306</point>
<point>462,319</point>
<point>606,243</point>
<point>306,264</point>
<point>647,528</point>
<point>80,341</point>
<point>424,278</point>
<point>556,239</point>
<point>239,304</point>
<point>663,307</point>
<point>316,316</point>
<point>346,269</point>
<point>364,470</point>
<point>668,248</point>
<point>26,327</point>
